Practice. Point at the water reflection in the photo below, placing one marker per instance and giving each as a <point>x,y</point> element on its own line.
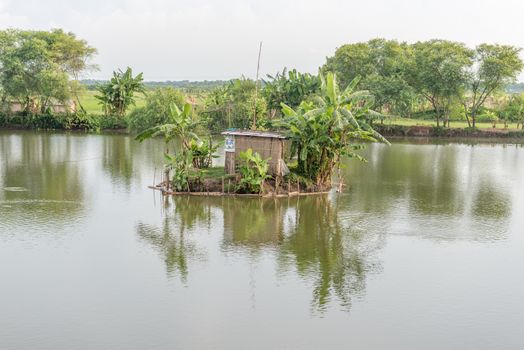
<point>307,237</point>
<point>173,238</point>
<point>49,184</point>
<point>332,252</point>
<point>253,224</point>
<point>118,158</point>
<point>439,192</point>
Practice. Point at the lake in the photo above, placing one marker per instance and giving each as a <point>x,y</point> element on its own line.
<point>422,250</point>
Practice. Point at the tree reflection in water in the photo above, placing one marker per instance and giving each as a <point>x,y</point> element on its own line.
<point>171,239</point>
<point>305,236</point>
<point>333,253</point>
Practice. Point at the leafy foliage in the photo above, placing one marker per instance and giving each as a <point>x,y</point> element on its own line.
<point>325,130</point>
<point>253,171</point>
<point>180,165</point>
<point>36,66</point>
<point>381,65</point>
<point>202,152</point>
<point>233,106</point>
<point>437,71</point>
<point>180,125</point>
<point>494,66</point>
<point>156,111</point>
<point>118,94</point>
<point>513,110</point>
<point>289,87</point>
<point>195,152</point>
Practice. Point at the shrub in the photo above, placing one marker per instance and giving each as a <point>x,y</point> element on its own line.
<point>156,110</point>
<point>180,165</point>
<point>253,171</point>
<point>488,117</point>
<point>202,152</point>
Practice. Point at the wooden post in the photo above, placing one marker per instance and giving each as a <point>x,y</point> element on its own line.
<point>210,159</point>
<point>339,181</point>
<point>154,178</point>
<point>222,184</point>
<point>254,126</point>
<point>230,163</point>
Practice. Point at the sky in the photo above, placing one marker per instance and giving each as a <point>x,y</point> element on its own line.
<point>211,39</point>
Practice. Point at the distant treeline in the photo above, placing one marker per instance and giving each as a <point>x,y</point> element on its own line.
<point>517,88</point>
<point>436,79</point>
<point>186,85</point>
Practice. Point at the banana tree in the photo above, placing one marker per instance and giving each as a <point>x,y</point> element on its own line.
<point>181,126</point>
<point>333,125</point>
<point>118,94</point>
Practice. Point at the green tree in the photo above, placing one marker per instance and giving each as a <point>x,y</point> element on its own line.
<point>329,128</point>
<point>181,125</point>
<point>437,70</point>
<point>36,67</point>
<point>289,87</point>
<point>494,66</point>
<point>381,65</point>
<point>156,110</point>
<point>117,95</point>
<point>218,108</point>
<point>513,110</point>
<point>233,106</point>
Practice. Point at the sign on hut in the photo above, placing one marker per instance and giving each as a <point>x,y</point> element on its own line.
<point>268,144</point>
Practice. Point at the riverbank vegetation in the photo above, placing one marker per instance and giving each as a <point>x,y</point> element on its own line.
<point>436,82</point>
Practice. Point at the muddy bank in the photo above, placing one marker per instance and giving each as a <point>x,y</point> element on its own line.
<point>228,186</point>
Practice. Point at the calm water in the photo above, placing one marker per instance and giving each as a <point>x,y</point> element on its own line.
<point>424,250</point>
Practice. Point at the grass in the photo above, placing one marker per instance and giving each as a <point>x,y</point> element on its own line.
<point>90,103</point>
<point>457,124</point>
<point>212,173</point>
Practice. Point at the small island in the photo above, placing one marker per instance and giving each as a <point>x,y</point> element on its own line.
<point>298,157</point>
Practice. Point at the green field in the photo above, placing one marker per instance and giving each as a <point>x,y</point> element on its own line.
<point>458,124</point>
<point>91,105</point>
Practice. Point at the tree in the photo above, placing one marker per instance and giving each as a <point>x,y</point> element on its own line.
<point>437,70</point>
<point>156,110</point>
<point>381,65</point>
<point>494,66</point>
<point>37,66</point>
<point>289,87</point>
<point>329,128</point>
<point>513,110</point>
<point>181,125</point>
<point>217,109</point>
<point>72,55</point>
<point>232,106</point>
<point>117,95</point>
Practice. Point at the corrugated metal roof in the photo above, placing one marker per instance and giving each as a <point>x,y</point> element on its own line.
<point>266,134</point>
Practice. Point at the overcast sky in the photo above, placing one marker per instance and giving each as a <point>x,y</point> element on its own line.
<point>205,39</point>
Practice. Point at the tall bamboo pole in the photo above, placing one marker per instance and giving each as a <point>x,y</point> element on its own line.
<point>254,126</point>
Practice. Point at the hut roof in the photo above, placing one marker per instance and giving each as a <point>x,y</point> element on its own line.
<point>251,133</point>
